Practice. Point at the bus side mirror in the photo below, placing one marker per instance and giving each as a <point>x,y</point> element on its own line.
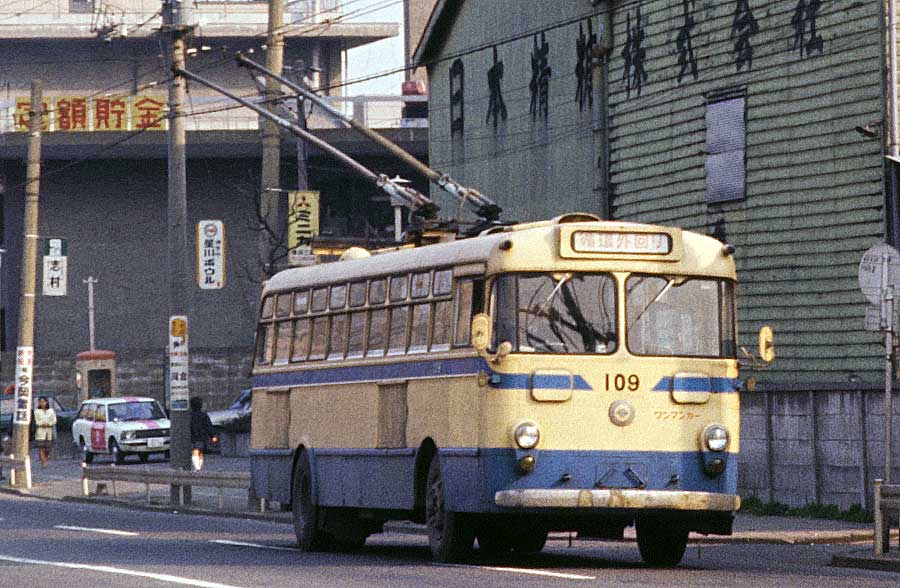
<point>767,344</point>
<point>481,332</point>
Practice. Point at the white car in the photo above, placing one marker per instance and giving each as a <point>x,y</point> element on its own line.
<point>121,426</point>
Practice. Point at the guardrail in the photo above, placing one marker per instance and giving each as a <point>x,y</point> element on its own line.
<point>887,500</point>
<point>14,462</point>
<point>178,480</point>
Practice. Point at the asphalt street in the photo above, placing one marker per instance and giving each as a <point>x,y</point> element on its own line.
<point>61,544</point>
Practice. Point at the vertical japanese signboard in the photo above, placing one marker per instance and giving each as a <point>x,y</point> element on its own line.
<point>179,393</point>
<point>24,376</point>
<point>303,225</point>
<point>210,254</point>
<point>55,275</point>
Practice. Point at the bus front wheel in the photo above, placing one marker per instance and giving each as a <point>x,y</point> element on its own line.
<point>661,543</point>
<point>310,536</point>
<point>450,534</point>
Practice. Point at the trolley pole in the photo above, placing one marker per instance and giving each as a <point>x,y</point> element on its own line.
<point>176,27</point>
<point>25,347</point>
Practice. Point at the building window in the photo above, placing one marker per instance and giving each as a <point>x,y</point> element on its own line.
<point>81,5</point>
<point>726,140</point>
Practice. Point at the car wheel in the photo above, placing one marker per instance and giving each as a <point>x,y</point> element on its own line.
<point>117,455</point>
<point>143,457</point>
<point>167,455</point>
<point>450,534</point>
<point>86,456</point>
<point>310,536</point>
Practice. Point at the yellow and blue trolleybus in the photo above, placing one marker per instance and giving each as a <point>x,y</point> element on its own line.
<point>566,375</point>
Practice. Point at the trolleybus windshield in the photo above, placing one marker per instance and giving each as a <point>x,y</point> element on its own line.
<point>680,316</point>
<point>556,312</point>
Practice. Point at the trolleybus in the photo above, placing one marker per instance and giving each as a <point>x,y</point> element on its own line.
<point>565,375</point>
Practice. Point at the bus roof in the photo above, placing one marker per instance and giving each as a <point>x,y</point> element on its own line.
<point>529,251</point>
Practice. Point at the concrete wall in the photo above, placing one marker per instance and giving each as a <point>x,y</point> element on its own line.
<point>804,446</point>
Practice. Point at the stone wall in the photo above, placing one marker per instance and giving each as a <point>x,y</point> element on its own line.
<point>801,446</point>
<point>217,376</point>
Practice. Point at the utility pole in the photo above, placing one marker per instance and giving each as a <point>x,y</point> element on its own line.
<point>270,175</point>
<point>177,25</point>
<point>90,281</point>
<point>25,346</point>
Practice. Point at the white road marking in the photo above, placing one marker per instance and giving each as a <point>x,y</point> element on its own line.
<point>120,571</point>
<point>256,545</point>
<point>91,530</point>
<point>528,571</point>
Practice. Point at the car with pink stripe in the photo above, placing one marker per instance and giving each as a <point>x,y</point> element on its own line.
<point>122,426</point>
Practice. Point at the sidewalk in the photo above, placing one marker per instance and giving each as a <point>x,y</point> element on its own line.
<point>61,480</point>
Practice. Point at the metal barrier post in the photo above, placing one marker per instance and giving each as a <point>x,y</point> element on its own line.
<point>880,527</point>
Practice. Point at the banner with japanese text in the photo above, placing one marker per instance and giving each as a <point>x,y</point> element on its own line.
<point>96,113</point>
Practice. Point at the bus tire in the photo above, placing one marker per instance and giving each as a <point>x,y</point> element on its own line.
<point>661,543</point>
<point>529,541</point>
<point>450,534</point>
<point>310,536</point>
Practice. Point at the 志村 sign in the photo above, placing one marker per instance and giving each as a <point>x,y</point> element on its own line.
<point>24,376</point>
<point>179,357</point>
<point>210,254</point>
<point>303,225</point>
<point>55,275</point>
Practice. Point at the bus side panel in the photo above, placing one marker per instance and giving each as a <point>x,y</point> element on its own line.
<point>366,478</point>
<point>270,474</point>
<point>446,410</point>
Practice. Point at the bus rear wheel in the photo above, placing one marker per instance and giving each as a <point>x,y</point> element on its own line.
<point>450,534</point>
<point>310,536</point>
<point>662,543</point>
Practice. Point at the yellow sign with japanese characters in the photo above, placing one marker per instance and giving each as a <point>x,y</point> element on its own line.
<point>63,114</point>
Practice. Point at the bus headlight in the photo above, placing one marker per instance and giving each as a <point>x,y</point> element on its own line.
<point>527,435</point>
<point>716,438</point>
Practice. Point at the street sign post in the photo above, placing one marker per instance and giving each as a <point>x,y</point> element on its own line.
<point>179,393</point>
<point>879,280</point>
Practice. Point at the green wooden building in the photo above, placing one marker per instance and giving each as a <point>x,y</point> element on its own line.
<point>759,122</point>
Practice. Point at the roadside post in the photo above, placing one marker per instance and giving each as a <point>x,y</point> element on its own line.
<point>879,280</point>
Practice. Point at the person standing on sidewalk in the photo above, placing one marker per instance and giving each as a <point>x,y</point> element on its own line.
<point>201,431</point>
<point>45,428</point>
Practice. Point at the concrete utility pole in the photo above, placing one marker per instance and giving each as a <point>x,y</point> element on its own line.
<point>25,346</point>
<point>176,25</point>
<point>90,281</point>
<point>270,175</point>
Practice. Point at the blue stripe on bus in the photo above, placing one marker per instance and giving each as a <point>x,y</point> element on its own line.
<point>417,369</point>
<point>714,385</point>
<point>539,381</point>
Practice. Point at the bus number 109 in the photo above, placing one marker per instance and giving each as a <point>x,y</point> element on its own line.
<point>620,382</point>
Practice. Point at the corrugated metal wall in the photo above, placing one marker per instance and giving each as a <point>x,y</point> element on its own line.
<point>814,185</point>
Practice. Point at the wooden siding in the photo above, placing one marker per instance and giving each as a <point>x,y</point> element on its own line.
<point>814,186</point>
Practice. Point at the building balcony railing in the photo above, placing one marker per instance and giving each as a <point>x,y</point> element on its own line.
<point>73,113</point>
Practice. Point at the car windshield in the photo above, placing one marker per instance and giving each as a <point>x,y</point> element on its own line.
<point>678,316</point>
<point>242,402</point>
<point>135,411</point>
<point>556,312</point>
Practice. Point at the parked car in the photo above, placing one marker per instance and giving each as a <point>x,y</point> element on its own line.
<point>128,425</point>
<point>64,416</point>
<point>236,418</point>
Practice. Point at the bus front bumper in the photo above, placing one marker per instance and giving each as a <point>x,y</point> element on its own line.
<point>619,498</point>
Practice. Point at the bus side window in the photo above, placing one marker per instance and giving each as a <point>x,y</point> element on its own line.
<point>443,325</point>
<point>377,332</point>
<point>319,338</point>
<point>357,337</point>
<point>469,302</point>
<point>301,340</point>
<point>265,341</point>
<point>283,342</point>
<point>398,331</point>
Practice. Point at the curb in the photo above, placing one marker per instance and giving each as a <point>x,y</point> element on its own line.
<point>867,562</point>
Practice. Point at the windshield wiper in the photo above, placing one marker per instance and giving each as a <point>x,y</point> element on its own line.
<point>662,293</point>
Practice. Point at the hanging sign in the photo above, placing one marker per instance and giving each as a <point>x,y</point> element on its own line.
<point>179,393</point>
<point>303,225</point>
<point>55,275</point>
<point>24,380</point>
<point>210,254</point>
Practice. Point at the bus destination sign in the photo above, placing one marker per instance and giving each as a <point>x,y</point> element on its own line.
<point>621,242</point>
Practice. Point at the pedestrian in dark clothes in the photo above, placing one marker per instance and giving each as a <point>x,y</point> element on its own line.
<point>201,431</point>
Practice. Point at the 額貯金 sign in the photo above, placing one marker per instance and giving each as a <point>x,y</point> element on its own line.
<point>87,114</point>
